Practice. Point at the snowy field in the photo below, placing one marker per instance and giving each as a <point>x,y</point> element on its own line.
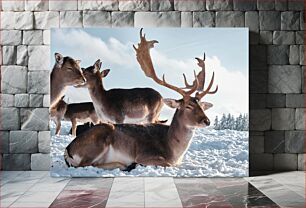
<point>213,153</point>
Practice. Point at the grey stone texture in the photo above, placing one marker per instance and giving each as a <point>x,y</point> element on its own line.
<point>23,142</point>
<point>285,79</point>
<point>97,19</point>
<point>203,19</point>
<point>276,67</point>
<point>40,161</point>
<point>285,162</point>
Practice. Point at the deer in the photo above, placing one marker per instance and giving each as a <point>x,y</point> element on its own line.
<point>137,105</point>
<point>66,72</point>
<point>201,75</point>
<point>75,112</point>
<point>111,146</point>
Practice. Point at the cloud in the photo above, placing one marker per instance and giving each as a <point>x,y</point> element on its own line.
<point>232,96</point>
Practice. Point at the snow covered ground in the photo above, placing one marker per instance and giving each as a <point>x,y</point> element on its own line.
<point>213,153</point>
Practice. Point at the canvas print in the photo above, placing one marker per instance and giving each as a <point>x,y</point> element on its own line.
<point>149,102</point>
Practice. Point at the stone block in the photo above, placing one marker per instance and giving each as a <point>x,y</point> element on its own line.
<point>258,56</point>
<point>222,5</point>
<point>300,119</point>
<point>276,100</point>
<point>203,19</point>
<point>301,162</point>
<point>9,55</point>
<point>269,20</point>
<point>22,55</point>
<point>303,79</point>
<point>71,19</point>
<point>265,5</point>
<point>299,37</point>
<point>36,100</point>
<point>229,19</point>
<point>36,5</point>
<point>283,37</point>
<point>63,5</point>
<point>281,5</point>
<point>44,141</point>
<point>10,119</point>
<point>302,55</point>
<point>23,142</point>
<point>46,101</point>
<point>290,21</point>
<point>302,20</point>
<point>260,120</point>
<point>246,5</point>
<point>16,162</point>
<point>11,37</point>
<point>162,5</point>
<point>259,81</point>
<point>6,100</point>
<point>256,144</point>
<point>134,5</point>
<point>257,101</point>
<point>33,37</point>
<point>46,20</point>
<point>12,5</point>
<point>122,19</point>
<point>295,100</point>
<point>14,79</point>
<point>39,82</point>
<point>40,162</point>
<point>7,20</point>
<point>99,5</point>
<point>261,161</point>
<point>295,141</point>
<point>24,20</point>
<point>186,19</point>
<point>97,19</point>
<point>39,58</point>
<point>283,118</point>
<point>157,19</point>
<point>22,100</point>
<point>4,141</point>
<point>285,162</point>
<point>36,119</point>
<point>285,79</point>
<point>274,142</point>
<point>296,5</point>
<point>294,54</point>
<point>46,37</point>
<point>278,54</point>
<point>251,21</point>
<point>185,6</point>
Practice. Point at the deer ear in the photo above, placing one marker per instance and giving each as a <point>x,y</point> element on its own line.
<point>78,61</point>
<point>97,66</point>
<point>105,72</point>
<point>59,58</point>
<point>172,103</point>
<point>206,105</point>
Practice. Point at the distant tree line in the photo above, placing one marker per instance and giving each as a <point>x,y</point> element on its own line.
<point>240,123</point>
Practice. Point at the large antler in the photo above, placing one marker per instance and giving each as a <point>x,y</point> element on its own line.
<point>145,61</point>
<point>200,76</point>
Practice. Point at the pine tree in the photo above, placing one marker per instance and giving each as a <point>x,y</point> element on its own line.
<point>216,123</point>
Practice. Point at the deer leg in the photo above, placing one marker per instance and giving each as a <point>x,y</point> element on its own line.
<point>58,126</point>
<point>158,161</point>
<point>112,165</point>
<point>74,126</point>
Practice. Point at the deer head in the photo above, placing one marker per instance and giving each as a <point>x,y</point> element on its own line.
<point>93,75</point>
<point>189,108</point>
<point>68,70</point>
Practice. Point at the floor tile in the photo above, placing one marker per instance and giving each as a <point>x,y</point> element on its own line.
<point>125,200</point>
<point>128,184</point>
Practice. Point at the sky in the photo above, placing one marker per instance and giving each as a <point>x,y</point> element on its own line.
<point>226,52</point>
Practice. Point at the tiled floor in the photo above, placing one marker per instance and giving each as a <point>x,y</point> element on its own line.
<point>38,189</point>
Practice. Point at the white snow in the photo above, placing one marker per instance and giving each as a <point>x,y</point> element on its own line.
<point>212,153</point>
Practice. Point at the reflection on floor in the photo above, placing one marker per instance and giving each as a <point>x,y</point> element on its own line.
<point>38,189</point>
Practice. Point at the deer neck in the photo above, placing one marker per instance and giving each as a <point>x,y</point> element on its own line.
<point>179,137</point>
<point>57,86</point>
<point>97,93</point>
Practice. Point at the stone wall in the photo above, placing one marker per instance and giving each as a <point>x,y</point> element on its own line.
<point>276,68</point>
